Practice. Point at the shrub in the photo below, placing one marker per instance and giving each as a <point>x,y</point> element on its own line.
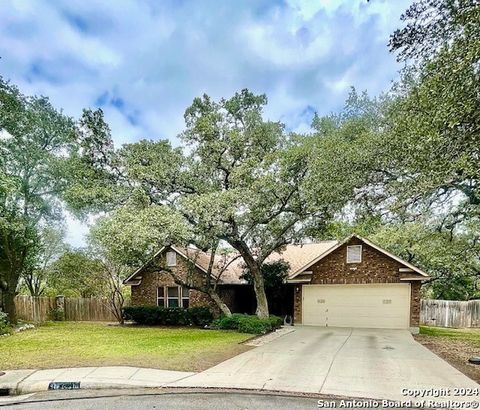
<point>228,322</point>
<point>57,315</point>
<point>200,316</point>
<point>4,325</point>
<point>276,322</point>
<point>248,323</point>
<point>252,324</point>
<point>156,315</point>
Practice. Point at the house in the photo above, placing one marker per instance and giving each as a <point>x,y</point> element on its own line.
<point>351,283</point>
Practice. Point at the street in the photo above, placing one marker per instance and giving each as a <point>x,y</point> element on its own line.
<point>146,399</point>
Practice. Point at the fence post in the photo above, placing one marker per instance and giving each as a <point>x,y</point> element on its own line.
<point>60,306</point>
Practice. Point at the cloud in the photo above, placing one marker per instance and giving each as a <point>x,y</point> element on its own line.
<point>143,62</point>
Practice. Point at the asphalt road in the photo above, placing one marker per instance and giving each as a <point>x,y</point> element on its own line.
<point>211,401</point>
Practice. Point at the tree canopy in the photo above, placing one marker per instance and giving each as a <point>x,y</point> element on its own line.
<point>434,122</point>
<point>34,146</point>
<point>238,178</point>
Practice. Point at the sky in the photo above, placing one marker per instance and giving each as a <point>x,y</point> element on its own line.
<point>143,62</point>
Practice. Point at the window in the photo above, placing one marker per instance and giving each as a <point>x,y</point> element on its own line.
<point>171,258</point>
<point>173,296</point>
<point>185,297</point>
<point>354,254</point>
<point>161,296</point>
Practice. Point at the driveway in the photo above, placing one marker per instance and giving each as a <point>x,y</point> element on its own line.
<point>369,363</point>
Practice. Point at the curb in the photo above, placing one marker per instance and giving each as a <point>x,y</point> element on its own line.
<point>10,381</point>
<point>21,388</point>
<point>18,382</point>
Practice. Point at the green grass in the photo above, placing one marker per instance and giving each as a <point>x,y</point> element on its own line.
<point>471,335</point>
<point>75,344</point>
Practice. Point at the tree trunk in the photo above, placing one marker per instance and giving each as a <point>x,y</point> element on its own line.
<point>117,302</point>
<point>8,304</point>
<point>259,287</point>
<point>206,288</point>
<point>258,282</point>
<point>220,303</point>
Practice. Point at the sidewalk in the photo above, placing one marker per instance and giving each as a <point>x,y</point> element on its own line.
<point>29,381</point>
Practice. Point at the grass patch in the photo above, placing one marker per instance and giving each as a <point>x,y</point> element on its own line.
<point>75,344</point>
<point>470,335</point>
<point>455,346</point>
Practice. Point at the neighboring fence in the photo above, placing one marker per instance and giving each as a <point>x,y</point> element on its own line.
<point>35,309</point>
<point>94,309</point>
<point>450,313</point>
<point>38,309</point>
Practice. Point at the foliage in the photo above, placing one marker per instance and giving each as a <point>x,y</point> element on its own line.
<point>200,316</point>
<point>50,246</point>
<point>346,168</point>
<point>227,322</point>
<point>4,324</point>
<point>156,315</point>
<point>452,261</point>
<point>247,323</point>
<point>56,314</point>
<point>239,179</point>
<point>129,235</point>
<point>274,274</point>
<point>77,273</point>
<point>432,156</point>
<point>34,150</point>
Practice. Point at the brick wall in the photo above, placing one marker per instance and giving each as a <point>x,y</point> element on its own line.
<point>297,304</point>
<point>415,300</point>
<point>375,267</point>
<point>153,278</point>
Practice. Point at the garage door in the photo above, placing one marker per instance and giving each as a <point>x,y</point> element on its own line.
<point>373,306</point>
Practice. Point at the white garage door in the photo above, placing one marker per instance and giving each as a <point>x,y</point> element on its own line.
<point>373,306</point>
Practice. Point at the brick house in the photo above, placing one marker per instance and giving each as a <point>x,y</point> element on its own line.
<point>352,283</point>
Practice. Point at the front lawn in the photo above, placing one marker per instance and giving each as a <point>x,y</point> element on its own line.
<point>75,344</point>
<point>455,346</point>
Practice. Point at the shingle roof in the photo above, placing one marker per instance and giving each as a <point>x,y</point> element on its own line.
<point>300,257</point>
<point>297,256</point>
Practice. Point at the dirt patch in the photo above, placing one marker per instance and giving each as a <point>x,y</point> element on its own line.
<point>455,352</point>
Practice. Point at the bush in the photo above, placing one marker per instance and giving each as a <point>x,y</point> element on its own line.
<point>4,324</point>
<point>276,322</point>
<point>156,315</point>
<point>57,315</point>
<point>248,323</point>
<point>200,316</point>
<point>228,322</point>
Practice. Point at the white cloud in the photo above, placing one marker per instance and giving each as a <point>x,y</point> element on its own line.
<point>146,61</point>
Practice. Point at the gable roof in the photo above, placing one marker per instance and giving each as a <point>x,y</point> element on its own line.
<point>366,241</point>
<point>299,257</point>
<point>201,260</point>
<point>158,253</point>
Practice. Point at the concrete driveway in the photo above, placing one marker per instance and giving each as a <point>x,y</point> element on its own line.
<point>369,363</point>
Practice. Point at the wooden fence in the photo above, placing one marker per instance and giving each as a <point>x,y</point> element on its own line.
<point>443,313</point>
<point>35,309</point>
<point>450,313</point>
<point>38,309</point>
<point>94,309</point>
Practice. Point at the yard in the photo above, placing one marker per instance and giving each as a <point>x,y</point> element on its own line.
<point>75,344</point>
<point>455,346</point>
